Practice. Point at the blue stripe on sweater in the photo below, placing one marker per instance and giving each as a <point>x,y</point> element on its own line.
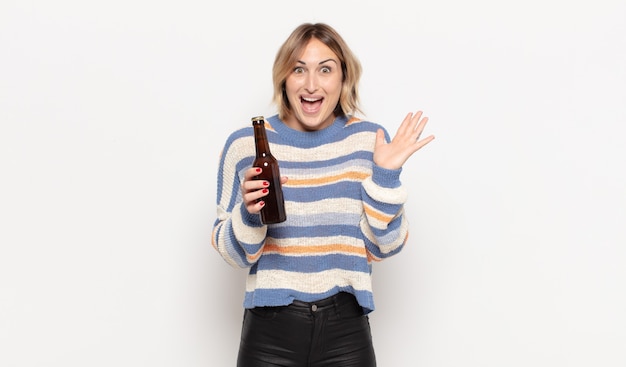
<point>283,297</point>
<point>358,158</point>
<point>313,263</point>
<point>316,230</point>
<point>375,250</point>
<point>308,194</point>
<point>389,234</point>
<point>323,219</point>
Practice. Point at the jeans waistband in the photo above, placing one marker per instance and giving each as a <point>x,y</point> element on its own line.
<point>341,300</point>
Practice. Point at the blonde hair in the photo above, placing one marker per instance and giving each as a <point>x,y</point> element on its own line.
<point>291,50</point>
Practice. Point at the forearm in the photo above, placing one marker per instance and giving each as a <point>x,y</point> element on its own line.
<point>384,224</point>
<point>238,236</point>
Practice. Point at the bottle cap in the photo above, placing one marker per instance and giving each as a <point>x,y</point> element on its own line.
<point>258,118</point>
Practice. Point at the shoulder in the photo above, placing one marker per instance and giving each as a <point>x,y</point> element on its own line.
<point>363,124</point>
<point>357,124</point>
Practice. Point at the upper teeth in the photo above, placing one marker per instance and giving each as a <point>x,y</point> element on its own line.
<point>310,99</point>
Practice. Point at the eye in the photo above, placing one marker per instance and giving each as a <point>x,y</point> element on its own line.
<point>326,69</point>
<point>298,70</point>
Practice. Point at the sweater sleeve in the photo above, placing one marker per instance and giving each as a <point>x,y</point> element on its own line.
<point>384,224</point>
<point>237,235</point>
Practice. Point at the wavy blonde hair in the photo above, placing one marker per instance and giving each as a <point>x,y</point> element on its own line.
<point>291,50</point>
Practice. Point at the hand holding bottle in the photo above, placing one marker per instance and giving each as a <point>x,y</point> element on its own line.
<point>253,190</point>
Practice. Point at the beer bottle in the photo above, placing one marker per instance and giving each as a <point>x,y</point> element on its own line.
<point>274,209</point>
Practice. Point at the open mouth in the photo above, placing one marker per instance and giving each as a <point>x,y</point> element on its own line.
<point>311,105</point>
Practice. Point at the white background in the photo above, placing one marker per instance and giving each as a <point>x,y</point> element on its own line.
<point>113,114</point>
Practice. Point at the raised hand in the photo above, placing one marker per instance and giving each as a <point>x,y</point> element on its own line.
<point>407,141</point>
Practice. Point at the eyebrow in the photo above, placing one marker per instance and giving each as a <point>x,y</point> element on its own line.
<point>320,63</point>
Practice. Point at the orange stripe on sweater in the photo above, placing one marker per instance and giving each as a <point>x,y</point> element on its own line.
<point>252,258</point>
<point>352,175</point>
<point>314,250</point>
<point>378,215</point>
<point>352,119</point>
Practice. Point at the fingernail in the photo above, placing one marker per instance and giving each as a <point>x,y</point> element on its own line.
<point>258,170</point>
<point>262,203</point>
<point>265,183</point>
<point>265,191</point>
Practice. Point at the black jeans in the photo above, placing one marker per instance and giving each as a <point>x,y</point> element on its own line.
<point>331,332</point>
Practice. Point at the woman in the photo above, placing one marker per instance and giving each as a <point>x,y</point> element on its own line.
<point>309,291</point>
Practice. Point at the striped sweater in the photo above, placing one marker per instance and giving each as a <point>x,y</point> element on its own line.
<point>343,213</point>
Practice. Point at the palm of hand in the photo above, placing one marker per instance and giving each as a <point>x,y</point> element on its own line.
<point>407,141</point>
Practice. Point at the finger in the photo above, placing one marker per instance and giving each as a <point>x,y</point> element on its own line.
<point>252,200</point>
<point>409,127</point>
<point>254,196</point>
<point>255,207</point>
<point>420,144</point>
<point>405,125</point>
<point>253,185</point>
<point>380,138</point>
<point>251,173</point>
<point>422,123</point>
<point>416,118</point>
<point>283,180</point>
<point>420,127</point>
<point>249,184</point>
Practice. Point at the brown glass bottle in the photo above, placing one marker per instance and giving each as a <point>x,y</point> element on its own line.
<point>274,209</point>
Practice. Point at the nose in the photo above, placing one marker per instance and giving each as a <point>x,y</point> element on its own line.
<point>311,84</point>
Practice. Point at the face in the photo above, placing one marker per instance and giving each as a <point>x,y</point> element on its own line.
<point>313,88</point>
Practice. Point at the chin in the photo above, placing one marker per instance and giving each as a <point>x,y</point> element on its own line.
<point>316,125</point>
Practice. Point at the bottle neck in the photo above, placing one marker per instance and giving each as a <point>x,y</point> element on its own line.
<point>260,139</point>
